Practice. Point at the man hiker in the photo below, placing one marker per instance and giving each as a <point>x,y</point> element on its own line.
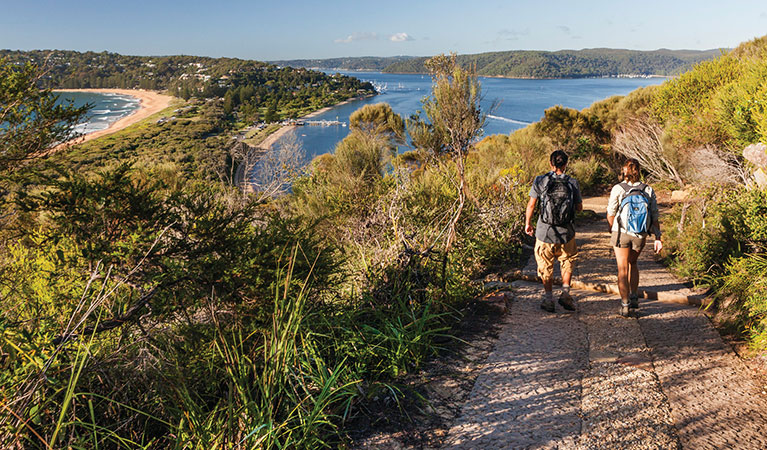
<point>560,199</point>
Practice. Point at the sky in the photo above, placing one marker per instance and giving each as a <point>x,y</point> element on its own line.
<point>293,29</point>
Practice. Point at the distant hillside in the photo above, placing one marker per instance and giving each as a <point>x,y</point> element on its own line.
<point>597,62</point>
<point>358,63</point>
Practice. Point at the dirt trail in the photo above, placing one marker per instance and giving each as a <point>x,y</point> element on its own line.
<point>590,379</point>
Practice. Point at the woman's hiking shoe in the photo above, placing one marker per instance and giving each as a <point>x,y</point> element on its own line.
<point>634,302</point>
<point>624,309</point>
<point>547,305</point>
<point>566,300</point>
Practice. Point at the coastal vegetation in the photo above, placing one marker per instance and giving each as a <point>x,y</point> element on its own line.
<point>596,62</point>
<point>252,90</point>
<point>145,305</point>
<point>715,130</point>
<point>194,138</point>
<point>147,302</point>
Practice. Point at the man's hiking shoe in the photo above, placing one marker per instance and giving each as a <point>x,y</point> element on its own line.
<point>634,302</point>
<point>624,309</point>
<point>547,305</point>
<point>566,300</point>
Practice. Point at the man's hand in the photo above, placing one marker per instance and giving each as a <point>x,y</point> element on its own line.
<point>529,229</point>
<point>658,246</point>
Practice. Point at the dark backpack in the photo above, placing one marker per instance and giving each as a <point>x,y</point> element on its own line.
<point>634,211</point>
<point>558,202</point>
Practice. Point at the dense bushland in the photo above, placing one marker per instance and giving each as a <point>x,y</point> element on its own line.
<point>147,304</point>
<point>711,125</point>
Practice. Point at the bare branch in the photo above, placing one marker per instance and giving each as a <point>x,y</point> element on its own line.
<point>641,139</point>
<point>274,172</point>
<point>715,166</point>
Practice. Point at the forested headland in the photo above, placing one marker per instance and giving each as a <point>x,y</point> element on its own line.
<point>596,62</point>
<point>145,303</point>
<point>253,89</point>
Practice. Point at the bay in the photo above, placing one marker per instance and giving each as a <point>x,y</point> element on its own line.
<point>520,102</point>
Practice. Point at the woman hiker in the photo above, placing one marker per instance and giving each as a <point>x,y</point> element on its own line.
<point>632,213</point>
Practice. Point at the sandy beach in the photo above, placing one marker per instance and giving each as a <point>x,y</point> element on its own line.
<point>151,102</point>
<point>274,137</point>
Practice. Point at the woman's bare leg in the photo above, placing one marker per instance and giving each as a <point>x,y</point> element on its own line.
<point>622,258</point>
<point>633,270</point>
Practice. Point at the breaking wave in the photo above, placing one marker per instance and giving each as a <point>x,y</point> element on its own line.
<point>506,119</point>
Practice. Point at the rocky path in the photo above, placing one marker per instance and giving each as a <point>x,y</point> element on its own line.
<point>590,379</point>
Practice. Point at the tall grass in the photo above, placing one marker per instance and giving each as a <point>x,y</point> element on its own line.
<point>280,392</point>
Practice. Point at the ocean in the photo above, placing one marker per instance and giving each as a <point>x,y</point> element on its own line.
<point>520,102</point>
<point>107,108</point>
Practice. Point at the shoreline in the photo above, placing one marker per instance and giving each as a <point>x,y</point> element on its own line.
<point>150,103</point>
<point>338,69</point>
<point>506,77</point>
<point>270,140</point>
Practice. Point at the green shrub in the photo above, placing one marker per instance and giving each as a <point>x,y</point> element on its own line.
<point>684,105</point>
<point>579,133</point>
<point>709,235</point>
<point>741,107</point>
<point>592,174</point>
<point>745,281</point>
<point>525,153</point>
<point>754,207</point>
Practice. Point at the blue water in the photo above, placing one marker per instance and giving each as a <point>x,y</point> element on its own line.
<point>521,101</point>
<point>107,108</point>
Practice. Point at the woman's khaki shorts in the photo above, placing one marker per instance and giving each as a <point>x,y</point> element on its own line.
<point>545,254</point>
<point>625,240</point>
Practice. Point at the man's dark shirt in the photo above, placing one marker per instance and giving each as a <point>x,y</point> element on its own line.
<point>550,233</point>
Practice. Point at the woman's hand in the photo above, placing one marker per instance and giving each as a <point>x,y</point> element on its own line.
<point>658,246</point>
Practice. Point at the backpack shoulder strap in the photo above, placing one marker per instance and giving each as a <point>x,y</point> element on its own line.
<point>626,187</point>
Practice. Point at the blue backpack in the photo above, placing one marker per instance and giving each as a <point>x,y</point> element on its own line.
<point>634,212</point>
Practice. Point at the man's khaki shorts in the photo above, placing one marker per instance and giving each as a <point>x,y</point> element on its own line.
<point>545,254</point>
<point>625,240</point>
